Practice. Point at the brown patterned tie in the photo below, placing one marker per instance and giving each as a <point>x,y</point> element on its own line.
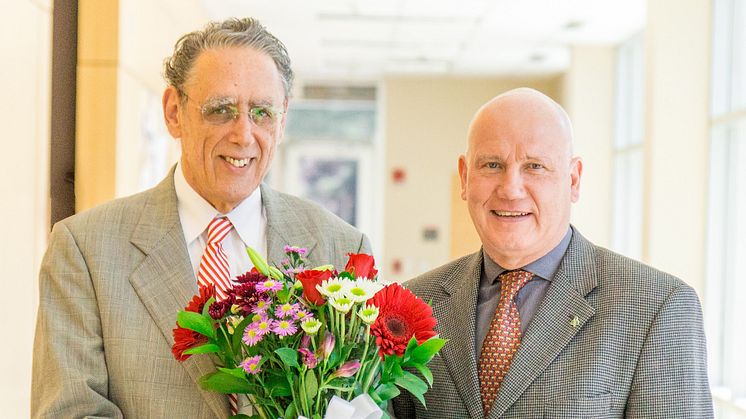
<point>502,339</point>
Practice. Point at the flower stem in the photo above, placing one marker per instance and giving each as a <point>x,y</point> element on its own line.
<point>371,374</point>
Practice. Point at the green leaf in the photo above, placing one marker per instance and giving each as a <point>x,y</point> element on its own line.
<point>238,333</point>
<point>289,356</point>
<point>278,386</point>
<point>387,391</point>
<point>374,395</point>
<point>290,412</point>
<point>196,322</point>
<point>206,308</point>
<point>236,372</point>
<point>345,274</point>
<point>225,383</point>
<point>242,416</point>
<point>425,352</point>
<point>312,384</point>
<point>259,263</point>
<point>207,348</point>
<point>425,371</point>
<point>283,295</point>
<point>412,384</point>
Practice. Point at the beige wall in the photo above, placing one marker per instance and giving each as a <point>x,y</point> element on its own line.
<point>425,123</point>
<point>121,130</point>
<point>676,144</point>
<point>25,27</point>
<point>588,93</point>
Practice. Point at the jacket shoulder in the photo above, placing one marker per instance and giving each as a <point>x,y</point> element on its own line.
<point>430,285</point>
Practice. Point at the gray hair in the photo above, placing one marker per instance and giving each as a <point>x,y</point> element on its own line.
<point>246,32</point>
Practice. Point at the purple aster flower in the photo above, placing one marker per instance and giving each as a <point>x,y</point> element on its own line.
<point>286,310</point>
<point>301,315</point>
<point>252,335</point>
<point>263,325</point>
<point>268,285</point>
<point>295,249</point>
<point>251,365</point>
<point>262,306</point>
<point>284,327</point>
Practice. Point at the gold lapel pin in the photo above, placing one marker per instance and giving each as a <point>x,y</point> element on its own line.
<point>575,322</point>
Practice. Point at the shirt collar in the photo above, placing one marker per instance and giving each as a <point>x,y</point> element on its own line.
<point>196,213</point>
<point>545,267</point>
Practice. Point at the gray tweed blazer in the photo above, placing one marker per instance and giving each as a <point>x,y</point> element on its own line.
<point>637,349</point>
<point>111,284</point>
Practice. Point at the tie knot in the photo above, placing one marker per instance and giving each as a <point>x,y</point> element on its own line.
<point>218,228</point>
<point>512,281</point>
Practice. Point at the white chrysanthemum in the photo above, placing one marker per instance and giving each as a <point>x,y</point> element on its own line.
<point>368,314</point>
<point>341,304</point>
<point>363,290</point>
<point>310,326</point>
<point>334,287</point>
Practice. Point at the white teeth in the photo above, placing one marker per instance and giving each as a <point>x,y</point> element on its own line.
<point>510,213</point>
<point>236,163</point>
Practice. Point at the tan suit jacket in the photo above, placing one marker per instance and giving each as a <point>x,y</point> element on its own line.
<point>111,284</point>
<point>612,338</point>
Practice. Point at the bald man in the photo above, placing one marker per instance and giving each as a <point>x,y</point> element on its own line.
<point>540,321</point>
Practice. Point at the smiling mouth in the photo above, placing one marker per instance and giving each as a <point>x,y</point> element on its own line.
<point>236,162</point>
<point>510,214</point>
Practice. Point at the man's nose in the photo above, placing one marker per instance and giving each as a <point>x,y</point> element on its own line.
<point>511,184</point>
<point>243,130</point>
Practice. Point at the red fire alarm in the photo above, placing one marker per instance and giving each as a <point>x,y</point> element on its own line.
<point>398,175</point>
<point>396,266</point>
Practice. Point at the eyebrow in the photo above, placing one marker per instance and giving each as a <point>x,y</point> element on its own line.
<point>229,100</point>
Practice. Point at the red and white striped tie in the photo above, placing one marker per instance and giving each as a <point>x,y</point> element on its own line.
<point>213,269</point>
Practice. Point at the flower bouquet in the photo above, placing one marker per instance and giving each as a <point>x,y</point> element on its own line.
<point>302,342</point>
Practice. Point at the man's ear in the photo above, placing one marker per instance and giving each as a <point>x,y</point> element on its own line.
<point>462,172</point>
<point>171,114</point>
<point>576,170</point>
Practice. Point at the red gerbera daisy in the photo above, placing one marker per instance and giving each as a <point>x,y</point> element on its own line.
<point>402,315</point>
<point>184,338</point>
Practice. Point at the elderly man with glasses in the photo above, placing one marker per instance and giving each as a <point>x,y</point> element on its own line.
<point>114,278</point>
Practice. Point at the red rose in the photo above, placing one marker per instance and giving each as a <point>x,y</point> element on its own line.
<point>310,278</point>
<point>361,265</point>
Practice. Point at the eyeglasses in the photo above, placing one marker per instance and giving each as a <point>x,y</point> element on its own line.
<point>221,111</point>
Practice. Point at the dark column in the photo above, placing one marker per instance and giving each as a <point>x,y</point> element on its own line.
<point>64,69</point>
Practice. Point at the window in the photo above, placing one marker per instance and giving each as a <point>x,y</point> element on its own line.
<point>726,240</point>
<point>627,150</point>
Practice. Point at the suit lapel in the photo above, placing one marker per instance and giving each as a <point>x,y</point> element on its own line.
<point>457,323</point>
<point>284,227</point>
<point>551,329</point>
<point>165,280</point>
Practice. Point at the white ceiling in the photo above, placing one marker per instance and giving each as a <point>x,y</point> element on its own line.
<point>367,39</point>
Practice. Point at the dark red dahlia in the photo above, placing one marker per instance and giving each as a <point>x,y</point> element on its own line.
<point>402,315</point>
<point>184,338</point>
<point>219,309</point>
<point>253,276</point>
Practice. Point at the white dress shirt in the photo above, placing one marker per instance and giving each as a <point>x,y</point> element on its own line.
<point>249,226</point>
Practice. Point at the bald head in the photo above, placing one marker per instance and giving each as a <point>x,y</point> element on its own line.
<point>519,177</point>
<point>523,109</point>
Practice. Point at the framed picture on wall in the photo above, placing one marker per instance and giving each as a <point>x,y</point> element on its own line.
<point>337,177</point>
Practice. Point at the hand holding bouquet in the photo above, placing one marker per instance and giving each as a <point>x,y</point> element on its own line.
<point>291,338</point>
